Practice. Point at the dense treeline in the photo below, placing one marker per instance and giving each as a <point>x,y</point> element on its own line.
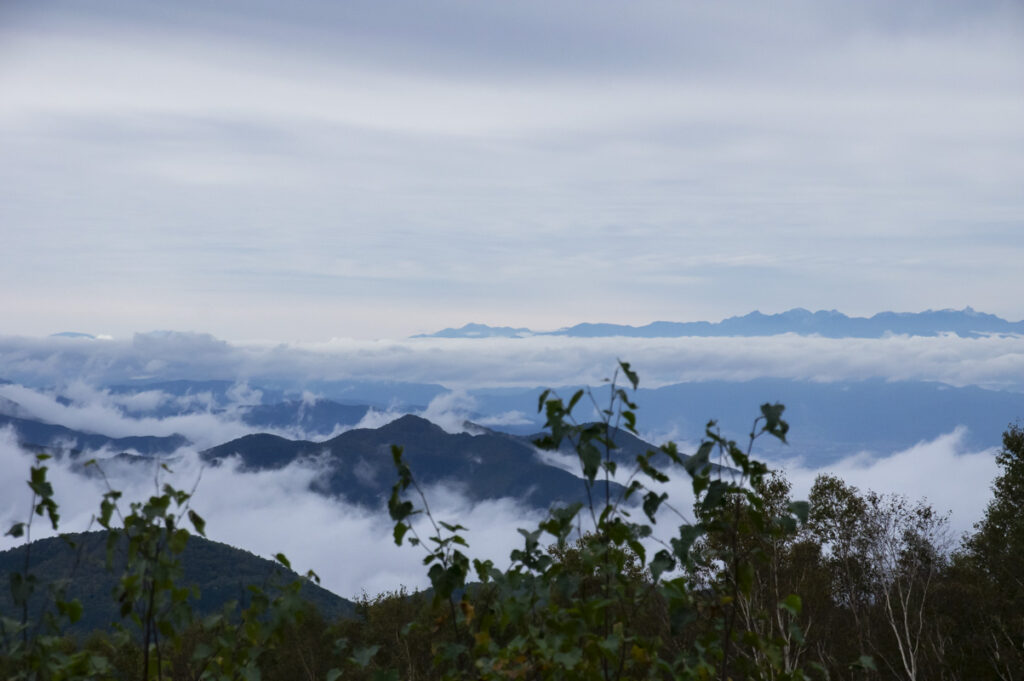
<point>748,584</point>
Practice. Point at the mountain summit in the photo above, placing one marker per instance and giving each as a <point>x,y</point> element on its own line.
<point>358,464</point>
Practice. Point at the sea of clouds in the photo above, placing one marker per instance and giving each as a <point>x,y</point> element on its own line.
<point>351,548</point>
<point>995,361</point>
<point>61,381</point>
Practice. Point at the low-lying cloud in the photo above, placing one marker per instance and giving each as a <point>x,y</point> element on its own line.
<point>351,547</point>
<point>942,471</point>
<point>993,361</point>
<point>91,410</point>
<point>456,411</point>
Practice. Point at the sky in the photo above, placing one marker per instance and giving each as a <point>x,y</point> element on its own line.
<point>312,170</point>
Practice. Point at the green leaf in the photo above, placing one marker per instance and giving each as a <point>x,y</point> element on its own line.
<point>362,656</point>
<point>17,530</point>
<point>283,560</point>
<point>590,457</point>
<point>197,522</point>
<point>334,674</point>
<point>792,604</point>
<point>661,563</point>
<point>717,489</point>
<point>651,503</point>
<point>634,380</point>
<point>177,541</point>
<point>201,652</point>
<point>568,659</point>
<point>698,464</point>
<point>773,423</point>
<point>400,530</point>
<point>540,400</point>
<point>688,534</point>
<point>73,609</point>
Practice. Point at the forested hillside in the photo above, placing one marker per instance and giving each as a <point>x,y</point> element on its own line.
<point>220,573</point>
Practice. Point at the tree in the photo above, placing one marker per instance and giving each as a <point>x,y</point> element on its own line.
<point>777,572</point>
<point>885,555</point>
<point>993,558</point>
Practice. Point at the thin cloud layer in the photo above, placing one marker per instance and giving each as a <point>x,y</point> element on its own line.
<point>996,361</point>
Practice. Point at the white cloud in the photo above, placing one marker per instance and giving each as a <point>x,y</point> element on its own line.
<point>100,411</point>
<point>994,361</point>
<point>942,471</point>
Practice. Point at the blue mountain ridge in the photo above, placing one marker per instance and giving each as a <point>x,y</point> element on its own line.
<point>830,420</point>
<point>966,323</point>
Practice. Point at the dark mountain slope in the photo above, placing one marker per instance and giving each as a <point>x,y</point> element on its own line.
<point>47,436</point>
<point>485,466</point>
<point>221,572</point>
<point>262,451</point>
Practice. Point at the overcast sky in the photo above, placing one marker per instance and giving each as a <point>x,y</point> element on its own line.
<point>307,170</point>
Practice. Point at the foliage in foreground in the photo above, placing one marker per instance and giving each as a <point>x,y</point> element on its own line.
<point>619,602</point>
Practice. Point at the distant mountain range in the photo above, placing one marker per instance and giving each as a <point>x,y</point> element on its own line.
<point>827,323</point>
<point>481,331</point>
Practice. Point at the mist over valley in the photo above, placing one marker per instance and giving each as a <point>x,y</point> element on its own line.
<point>313,425</point>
